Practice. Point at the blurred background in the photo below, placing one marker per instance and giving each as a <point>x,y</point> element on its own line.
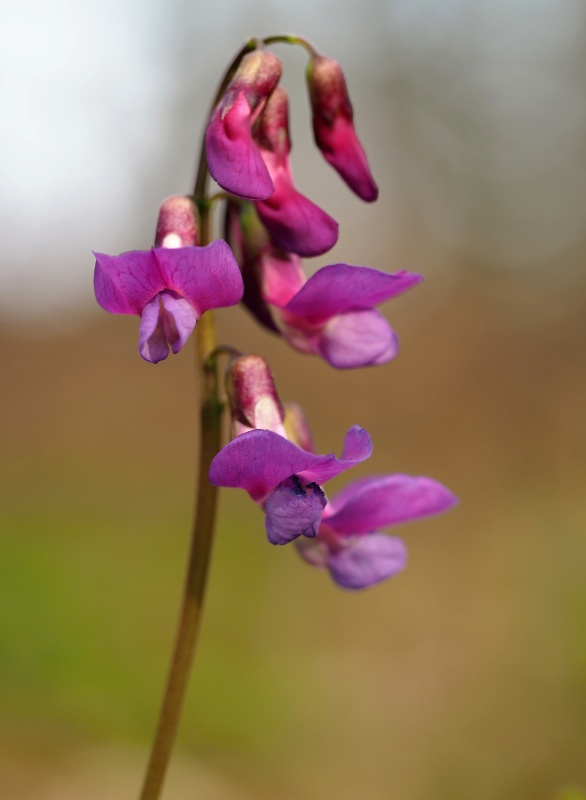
<point>464,678</point>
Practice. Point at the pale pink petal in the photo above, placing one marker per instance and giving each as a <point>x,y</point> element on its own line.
<point>358,339</point>
<point>313,551</point>
<point>368,560</point>
<point>124,284</point>
<point>380,501</point>
<point>233,157</point>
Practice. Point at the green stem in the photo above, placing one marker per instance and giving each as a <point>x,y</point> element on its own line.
<point>197,568</point>
<point>205,509</point>
<point>291,39</point>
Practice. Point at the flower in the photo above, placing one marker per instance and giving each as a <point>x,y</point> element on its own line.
<point>332,313</point>
<point>348,543</point>
<point>333,126</point>
<point>233,157</point>
<point>295,224</point>
<point>284,478</point>
<point>169,287</point>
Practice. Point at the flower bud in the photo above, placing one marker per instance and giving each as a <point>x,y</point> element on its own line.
<point>233,157</point>
<point>254,401</point>
<point>296,225</point>
<point>177,225</point>
<point>333,128</point>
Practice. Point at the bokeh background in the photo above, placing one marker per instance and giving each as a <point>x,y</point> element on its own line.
<point>465,677</point>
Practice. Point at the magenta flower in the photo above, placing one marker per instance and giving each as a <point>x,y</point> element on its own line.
<point>296,225</point>
<point>169,288</point>
<point>348,543</point>
<point>233,157</point>
<point>333,315</point>
<point>285,479</point>
<point>333,126</point>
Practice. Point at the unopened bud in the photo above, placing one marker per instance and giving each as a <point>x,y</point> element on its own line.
<point>254,401</point>
<point>177,225</point>
<point>333,127</point>
<point>232,154</point>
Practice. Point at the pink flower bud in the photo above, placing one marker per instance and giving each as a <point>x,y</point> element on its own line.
<point>177,225</point>
<point>333,128</point>
<point>233,157</point>
<point>295,224</point>
<point>254,401</point>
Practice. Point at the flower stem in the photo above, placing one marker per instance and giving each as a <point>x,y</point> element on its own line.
<point>197,568</point>
<point>205,513</point>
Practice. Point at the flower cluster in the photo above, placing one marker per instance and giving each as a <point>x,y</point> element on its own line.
<point>269,226</point>
<point>273,458</point>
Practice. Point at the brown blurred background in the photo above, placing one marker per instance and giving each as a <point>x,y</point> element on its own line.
<point>464,678</point>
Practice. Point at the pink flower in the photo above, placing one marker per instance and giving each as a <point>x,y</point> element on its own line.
<point>332,314</point>
<point>348,543</point>
<point>333,126</point>
<point>285,479</point>
<point>169,289</point>
<point>233,157</point>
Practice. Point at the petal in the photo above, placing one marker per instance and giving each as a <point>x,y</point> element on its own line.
<point>282,276</point>
<point>342,150</point>
<point>295,223</point>
<point>293,509</point>
<point>208,277</point>
<point>342,287</point>
<point>233,157</point>
<point>178,320</point>
<point>152,344</point>
<point>313,551</point>
<point>259,460</point>
<point>367,561</point>
<point>124,284</point>
<point>358,339</point>
<point>379,501</point>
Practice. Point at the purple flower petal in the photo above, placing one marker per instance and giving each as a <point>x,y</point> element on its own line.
<point>259,460</point>
<point>358,339</point>
<point>124,284</point>
<point>152,342</point>
<point>178,318</point>
<point>293,509</point>
<point>367,561</point>
<point>342,287</point>
<point>208,277</point>
<point>233,157</point>
<point>377,502</point>
<point>295,223</point>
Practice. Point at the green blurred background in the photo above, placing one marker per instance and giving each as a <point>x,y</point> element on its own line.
<point>464,678</point>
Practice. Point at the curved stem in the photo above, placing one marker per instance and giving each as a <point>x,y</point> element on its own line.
<point>291,39</point>
<point>205,509</point>
<point>197,568</point>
